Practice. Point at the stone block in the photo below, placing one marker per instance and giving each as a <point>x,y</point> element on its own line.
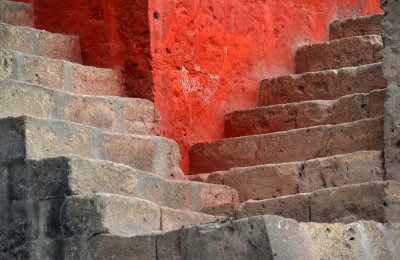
<point>17,14</point>
<point>357,26</point>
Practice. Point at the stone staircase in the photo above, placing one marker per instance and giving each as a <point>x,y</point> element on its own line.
<point>84,174</point>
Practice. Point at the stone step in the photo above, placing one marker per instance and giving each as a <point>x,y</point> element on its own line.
<point>29,137</point>
<point>358,26</point>
<point>59,74</point>
<point>261,237</point>
<point>17,14</point>
<point>323,85</point>
<point>348,52</point>
<point>290,116</point>
<point>378,201</point>
<point>42,179</point>
<point>275,180</point>
<point>290,146</point>
<point>41,43</point>
<point>115,114</point>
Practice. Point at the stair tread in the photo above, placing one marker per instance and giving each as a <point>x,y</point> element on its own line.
<point>60,74</point>
<point>356,26</point>
<point>111,113</point>
<point>288,146</point>
<point>290,116</point>
<point>275,180</point>
<point>322,85</point>
<point>347,52</point>
<point>17,13</point>
<point>40,43</point>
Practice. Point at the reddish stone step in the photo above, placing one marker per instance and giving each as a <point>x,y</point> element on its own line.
<point>364,25</point>
<point>323,85</point>
<point>348,52</point>
<point>289,146</point>
<point>41,43</point>
<point>276,118</point>
<point>16,13</point>
<point>377,201</point>
<point>275,180</point>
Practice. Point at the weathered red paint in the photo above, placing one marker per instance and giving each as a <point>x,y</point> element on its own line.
<point>200,59</point>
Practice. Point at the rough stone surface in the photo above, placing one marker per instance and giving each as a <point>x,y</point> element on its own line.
<point>305,114</point>
<point>348,52</point>
<point>323,85</point>
<point>121,115</point>
<point>289,146</point>
<point>271,181</point>
<point>18,14</point>
<point>391,66</point>
<point>364,25</point>
<point>59,74</point>
<point>377,201</point>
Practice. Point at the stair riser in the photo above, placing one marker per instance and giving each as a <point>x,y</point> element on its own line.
<point>271,181</point>
<point>368,25</point>
<point>337,54</point>
<point>306,114</point>
<point>326,85</point>
<point>60,74</point>
<point>18,14</point>
<point>377,201</point>
<point>134,116</point>
<point>290,146</point>
<point>27,138</point>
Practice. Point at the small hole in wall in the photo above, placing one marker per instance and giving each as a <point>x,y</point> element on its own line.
<point>167,50</point>
<point>156,15</point>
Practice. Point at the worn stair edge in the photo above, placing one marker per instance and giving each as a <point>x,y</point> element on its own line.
<point>323,85</point>
<point>357,26</point>
<point>289,146</point>
<point>115,114</point>
<point>29,137</point>
<point>377,201</point>
<point>261,237</point>
<point>17,14</point>
<point>41,179</point>
<point>276,180</point>
<point>40,43</point>
<point>348,52</point>
<point>59,74</point>
<point>290,116</point>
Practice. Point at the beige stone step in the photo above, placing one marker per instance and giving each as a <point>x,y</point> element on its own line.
<point>261,237</point>
<point>114,114</point>
<point>41,43</point>
<point>323,85</point>
<point>59,74</point>
<point>29,137</point>
<point>41,179</point>
<point>290,146</point>
<point>275,180</point>
<point>16,13</point>
<point>357,26</point>
<point>348,52</point>
<point>378,201</point>
<point>290,116</point>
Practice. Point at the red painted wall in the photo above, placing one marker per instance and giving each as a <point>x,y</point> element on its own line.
<point>198,59</point>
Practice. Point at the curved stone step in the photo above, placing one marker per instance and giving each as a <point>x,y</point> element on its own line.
<point>60,74</point>
<point>275,180</point>
<point>377,201</point>
<point>115,114</point>
<point>348,52</point>
<point>261,237</point>
<point>290,116</point>
<point>41,43</point>
<point>323,85</point>
<point>290,146</point>
<point>42,179</point>
<point>357,26</point>
<point>16,13</point>
<point>29,137</point>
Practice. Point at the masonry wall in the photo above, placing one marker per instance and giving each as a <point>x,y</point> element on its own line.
<point>197,59</point>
